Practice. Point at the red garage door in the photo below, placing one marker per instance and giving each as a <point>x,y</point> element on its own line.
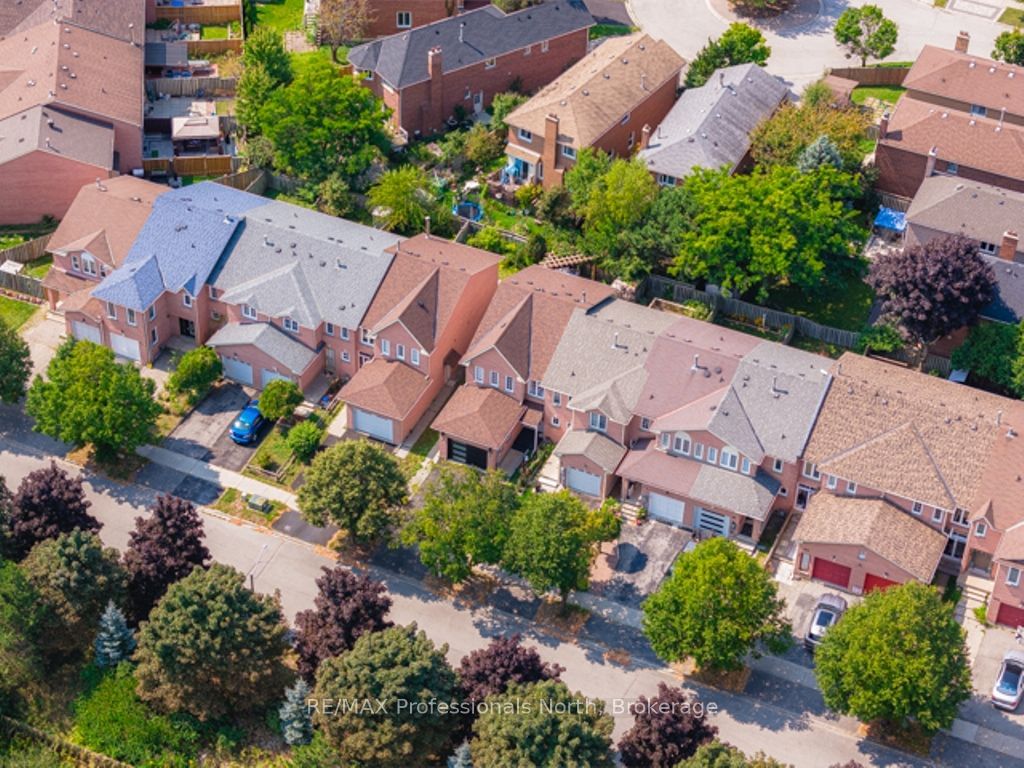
<point>872,582</point>
<point>1010,615</point>
<point>833,573</point>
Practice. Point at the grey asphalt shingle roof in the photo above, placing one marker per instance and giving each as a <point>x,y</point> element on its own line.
<point>600,449</point>
<point>267,338</point>
<point>1008,304</point>
<point>736,492</point>
<point>710,126</point>
<point>954,205</point>
<point>401,59</point>
<point>71,136</point>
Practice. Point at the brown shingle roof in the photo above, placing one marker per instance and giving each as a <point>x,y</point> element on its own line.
<point>482,416</point>
<point>967,78</point>
<point>49,130</point>
<point>594,94</point>
<point>111,17</point>
<point>902,433</point>
<point>875,524</point>
<point>385,387</point>
<point>976,142</point>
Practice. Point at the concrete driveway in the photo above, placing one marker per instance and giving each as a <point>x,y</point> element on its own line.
<point>632,567</point>
<point>802,598</point>
<point>43,333</point>
<point>995,642</point>
<point>800,54</point>
<point>203,434</point>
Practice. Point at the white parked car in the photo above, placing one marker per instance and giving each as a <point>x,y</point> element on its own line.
<point>1009,687</point>
<point>828,611</point>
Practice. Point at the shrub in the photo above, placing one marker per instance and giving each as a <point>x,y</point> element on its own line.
<point>279,399</point>
<point>528,194</point>
<point>197,371</point>
<point>880,338</point>
<point>303,440</point>
<point>483,147</point>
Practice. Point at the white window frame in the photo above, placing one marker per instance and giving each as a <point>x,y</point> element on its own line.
<point>1013,576</point>
<point>151,314</point>
<point>568,152</point>
<point>712,455</point>
<point>509,384</point>
<point>832,482</point>
<point>213,292</point>
<point>980,529</point>
<point>76,265</point>
<point>814,473</point>
<point>186,299</point>
<point>681,443</point>
<point>385,347</point>
<point>129,316</point>
<point>556,398</point>
<point>329,329</point>
<point>851,487</point>
<point>398,20</point>
<point>544,44</point>
<point>366,338</point>
<point>400,351</point>
<point>344,333</point>
<point>938,515</point>
<point>916,508</point>
<point>414,356</point>
<point>111,311</point>
<point>345,356</point>
<point>597,421</point>
<point>665,440</point>
<point>478,374</point>
<point>249,312</point>
<point>491,63</point>
<point>290,325</point>
<point>154,337</point>
<point>698,451</point>
<point>88,265</point>
<point>729,458</point>
<point>778,466</point>
<point>645,424</point>
<point>524,135</point>
<point>990,248</point>
<point>745,466</point>
<point>665,180</point>
<point>535,389</point>
<point>494,379</point>
<point>555,422</point>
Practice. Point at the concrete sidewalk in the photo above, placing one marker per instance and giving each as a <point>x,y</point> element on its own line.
<point>225,478</point>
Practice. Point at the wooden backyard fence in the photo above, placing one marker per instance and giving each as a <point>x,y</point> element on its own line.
<point>193,86</point>
<point>201,14</point>
<point>890,76</point>
<point>28,251</point>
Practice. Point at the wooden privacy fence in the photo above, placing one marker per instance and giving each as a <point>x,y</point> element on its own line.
<point>201,14</point>
<point>664,287</point>
<point>250,180</point>
<point>193,86</point>
<point>872,75</point>
<point>28,251</point>
<point>30,286</point>
<point>198,165</point>
<point>201,49</point>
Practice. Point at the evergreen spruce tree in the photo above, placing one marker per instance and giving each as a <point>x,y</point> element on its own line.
<point>461,758</point>
<point>822,151</point>
<point>115,641</point>
<point>296,723</point>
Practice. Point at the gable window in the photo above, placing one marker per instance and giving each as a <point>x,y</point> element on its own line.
<point>698,450</point>
<point>568,151</point>
<point>111,311</point>
<point>248,312</point>
<point>1013,576</point>
<point>527,50</point>
<point>385,347</point>
<point>365,337</point>
<point>682,444</point>
<point>329,329</point>
<point>400,351</point>
<point>544,46</point>
<point>665,439</point>
<point>130,316</point>
<point>832,482</point>
<point>745,466</point>
<point>777,466</point>
<point>556,398</point>
<point>403,19</point>
<point>960,516</point>
<point>213,292</point>
<point>535,389</point>
<point>186,299</point>
<point>344,334</point>
<point>491,63</point>
<point>938,515</point>
<point>290,325</point>
<point>598,421</point>
<point>152,336</point>
<point>712,454</point>
<point>494,378</point>
<point>980,529</point>
<point>524,135</point>
<point>414,356</point>
<point>730,458</point>
<point>665,180</point>
<point>811,471</point>
<point>555,422</point>
<point>917,508</point>
<point>74,263</point>
<point>478,375</point>
<point>88,264</point>
<point>152,312</point>
<point>509,386</point>
<point>977,110</point>
<point>851,487</point>
<point>645,424</point>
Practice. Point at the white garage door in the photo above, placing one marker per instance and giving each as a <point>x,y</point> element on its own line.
<point>267,376</point>
<point>85,332</point>
<point>582,482</point>
<point>124,346</point>
<point>237,370</point>
<point>712,522</point>
<point>373,425</point>
<point>665,508</point>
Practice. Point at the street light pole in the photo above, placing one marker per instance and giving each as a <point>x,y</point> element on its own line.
<point>252,571</point>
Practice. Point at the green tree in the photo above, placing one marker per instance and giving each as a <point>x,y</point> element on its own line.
<point>403,200</point>
<point>254,89</point>
<point>88,398</point>
<point>323,123</point>
<point>356,485</point>
<point>591,165</point>
<point>503,105</point>
<point>821,151</point>
<point>739,44</point>
<point>265,47</point>
<point>197,371</point>
<point>551,541</point>
<point>296,720</point>
<point>114,642</point>
<point>551,727</point>
<point>719,755</point>
<point>776,227</point>
<point>483,146</point>
<point>279,399</point>
<point>75,578</point>
<point>334,197</point>
<point>880,338</point>
<point>399,664</point>
<point>899,657</point>
<point>658,237</point>
<point>782,138</point>
<point>817,94</point>
<point>990,352</point>
<point>21,616</point>
<point>618,201</point>
<point>1010,47</point>
<point>716,606</point>
<point>212,647</point>
<point>15,365</point>
<point>866,32</point>
<point>303,439</point>
<point>464,520</point>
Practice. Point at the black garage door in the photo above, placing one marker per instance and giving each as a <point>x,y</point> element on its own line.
<point>467,454</point>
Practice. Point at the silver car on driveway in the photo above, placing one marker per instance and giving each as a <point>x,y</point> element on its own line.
<point>1009,687</point>
<point>828,611</point>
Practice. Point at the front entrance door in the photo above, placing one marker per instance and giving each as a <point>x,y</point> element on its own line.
<point>803,495</point>
<point>329,360</point>
<point>478,102</point>
<point>186,327</point>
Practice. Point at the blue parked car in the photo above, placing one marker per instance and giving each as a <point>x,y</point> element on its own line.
<point>246,427</point>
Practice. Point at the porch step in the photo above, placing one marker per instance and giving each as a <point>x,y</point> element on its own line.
<point>976,591</point>
<point>547,484</point>
<point>630,512</point>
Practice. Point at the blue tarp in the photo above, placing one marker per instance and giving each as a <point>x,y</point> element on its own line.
<point>887,218</point>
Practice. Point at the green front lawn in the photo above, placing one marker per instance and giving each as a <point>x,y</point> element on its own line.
<point>38,268</point>
<point>15,313</point>
<point>888,94</point>
<point>1012,16</point>
<point>233,502</point>
<point>610,30</point>
<point>418,453</point>
<point>282,15</point>
<point>302,61</point>
<point>845,305</point>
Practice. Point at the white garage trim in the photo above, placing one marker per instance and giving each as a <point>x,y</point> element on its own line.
<point>373,425</point>
<point>665,508</point>
<point>125,347</point>
<point>582,482</point>
<point>267,376</point>
<point>85,332</point>
<point>711,522</point>
<point>237,370</point>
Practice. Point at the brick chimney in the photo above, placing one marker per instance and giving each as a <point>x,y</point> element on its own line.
<point>549,156</point>
<point>645,136</point>
<point>1008,246</point>
<point>963,41</point>
<point>435,113</point>
<point>883,125</point>
<point>929,168</point>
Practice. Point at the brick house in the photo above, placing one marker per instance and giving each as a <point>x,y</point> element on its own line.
<point>929,469</point>
<point>424,74</point>
<point>603,101</point>
<point>961,115</point>
<point>702,427</point>
<point>419,324</point>
<point>500,410</point>
<point>73,96</point>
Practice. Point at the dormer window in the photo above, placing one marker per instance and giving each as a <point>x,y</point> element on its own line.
<point>478,375</point>
<point>414,356</point>
<point>248,312</point>
<point>681,444</point>
<point>186,299</point>
<point>745,467</point>
<point>598,421</point>
<point>385,347</point>
<point>811,471</point>
<point>403,19</point>
<point>712,454</point>
<point>88,264</point>
<point>665,439</point>
<point>290,325</point>
<point>730,458</point>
